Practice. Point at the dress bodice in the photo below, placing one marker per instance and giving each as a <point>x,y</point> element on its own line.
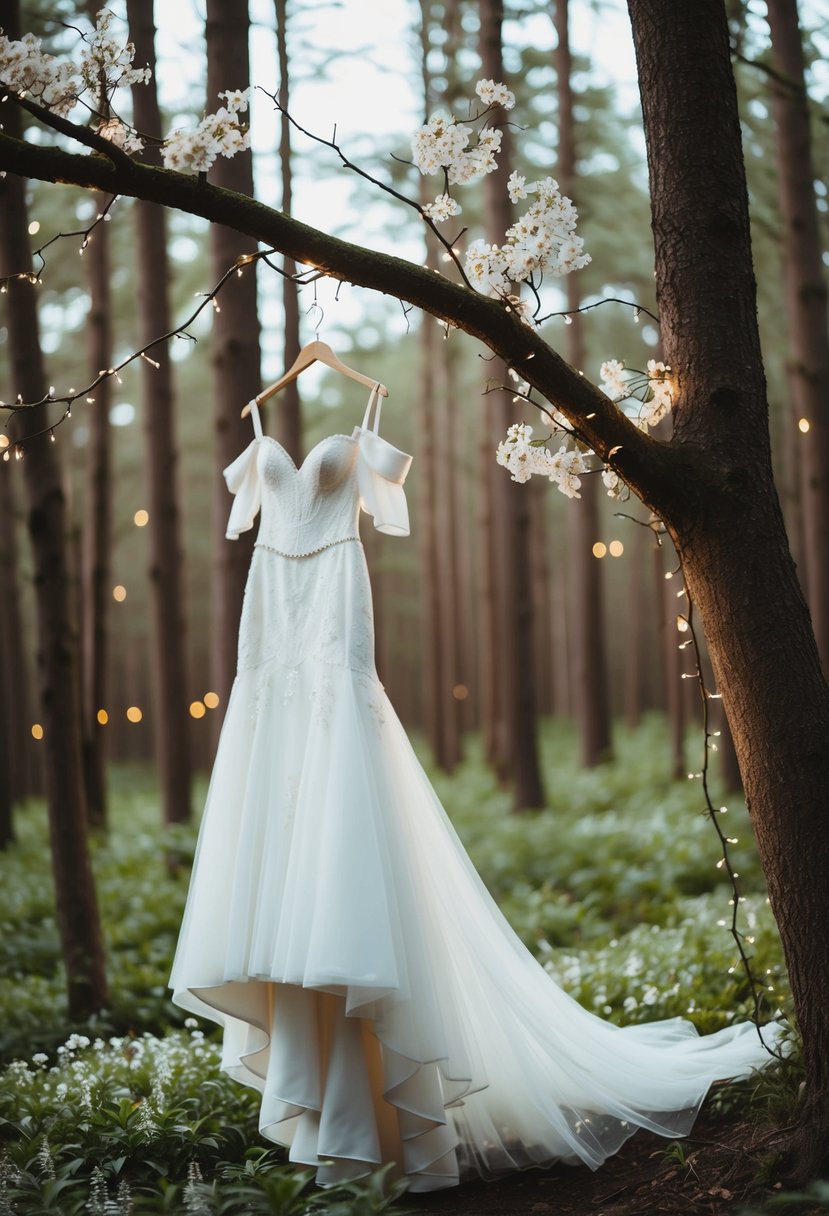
<point>310,508</point>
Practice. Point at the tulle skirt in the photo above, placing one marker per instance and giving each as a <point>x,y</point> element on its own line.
<point>368,985</point>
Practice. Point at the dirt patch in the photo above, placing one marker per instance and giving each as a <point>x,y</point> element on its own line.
<point>723,1167</point>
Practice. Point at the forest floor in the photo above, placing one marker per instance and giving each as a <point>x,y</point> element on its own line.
<point>718,1170</point>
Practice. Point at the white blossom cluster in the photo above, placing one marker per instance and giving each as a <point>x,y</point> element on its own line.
<point>27,69</point>
<point>652,389</point>
<point>543,240</point>
<point>522,457</point>
<point>56,83</point>
<point>442,146</point>
<point>219,134</point>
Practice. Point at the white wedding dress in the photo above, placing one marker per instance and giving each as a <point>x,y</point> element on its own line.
<point>367,983</point>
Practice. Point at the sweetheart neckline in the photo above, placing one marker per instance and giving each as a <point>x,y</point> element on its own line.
<point>352,438</point>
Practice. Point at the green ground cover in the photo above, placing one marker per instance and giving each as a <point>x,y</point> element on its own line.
<point>614,887</point>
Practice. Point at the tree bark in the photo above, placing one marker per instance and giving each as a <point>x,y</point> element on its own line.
<point>171,722</point>
<point>16,775</point>
<point>235,342</point>
<point>58,671</point>
<point>289,410</point>
<point>97,535</point>
<point>511,640</point>
<point>806,301</point>
<point>733,546</point>
<point>586,573</point>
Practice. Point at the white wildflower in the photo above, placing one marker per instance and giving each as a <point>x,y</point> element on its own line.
<point>40,1058</point>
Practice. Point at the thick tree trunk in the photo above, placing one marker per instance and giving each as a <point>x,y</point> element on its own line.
<point>733,544</point>
<point>587,574</point>
<point>171,722</point>
<point>289,407</point>
<point>235,342</point>
<point>97,535</point>
<point>512,640</point>
<point>58,673</point>
<point>806,302</point>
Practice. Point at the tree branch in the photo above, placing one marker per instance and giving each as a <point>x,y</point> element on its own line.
<point>652,468</point>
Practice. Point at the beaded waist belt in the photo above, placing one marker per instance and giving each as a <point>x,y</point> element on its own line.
<point>260,544</point>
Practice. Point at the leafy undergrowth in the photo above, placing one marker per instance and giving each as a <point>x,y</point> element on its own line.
<point>614,887</point>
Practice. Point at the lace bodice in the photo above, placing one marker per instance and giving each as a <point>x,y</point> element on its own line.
<point>308,509</point>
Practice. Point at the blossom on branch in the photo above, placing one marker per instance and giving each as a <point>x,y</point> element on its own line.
<point>219,134</point>
<point>492,94</point>
<point>27,69</point>
<point>441,209</point>
<point>522,457</point>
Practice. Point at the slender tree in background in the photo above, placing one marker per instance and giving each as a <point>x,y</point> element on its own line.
<point>9,604</point>
<point>510,642</point>
<point>587,638</point>
<point>711,484</point>
<point>289,406</point>
<point>806,301</point>
<point>169,634</point>
<point>57,637</point>
<point>235,342</point>
<point>437,500</point>
<point>97,531</point>
<point>16,744</point>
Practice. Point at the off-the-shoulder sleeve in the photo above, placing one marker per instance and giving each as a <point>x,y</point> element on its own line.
<point>242,477</point>
<point>381,471</point>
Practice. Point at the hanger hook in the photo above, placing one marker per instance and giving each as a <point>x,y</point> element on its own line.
<point>320,314</point>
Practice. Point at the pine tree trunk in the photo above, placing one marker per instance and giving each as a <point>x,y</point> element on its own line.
<point>730,530</point>
<point>15,739</point>
<point>806,301</point>
<point>58,669</point>
<point>635,631</point>
<point>587,574</point>
<point>11,641</point>
<point>171,721</point>
<point>235,342</point>
<point>511,640</point>
<point>97,535</point>
<point>289,406</point>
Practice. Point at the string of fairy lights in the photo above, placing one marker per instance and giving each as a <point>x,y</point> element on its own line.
<point>198,708</point>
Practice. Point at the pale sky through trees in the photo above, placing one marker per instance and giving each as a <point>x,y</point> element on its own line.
<point>370,90</point>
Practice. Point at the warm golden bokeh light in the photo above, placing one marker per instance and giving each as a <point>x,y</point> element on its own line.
<point>141,518</point>
<point>211,699</point>
<point>34,228</point>
<point>102,716</point>
<point>599,549</point>
<point>460,692</point>
<point>804,425</point>
<point>4,441</point>
<point>197,709</point>
<point>37,731</point>
<point>616,548</point>
<point>119,593</point>
<point>134,714</point>
<point>682,624</point>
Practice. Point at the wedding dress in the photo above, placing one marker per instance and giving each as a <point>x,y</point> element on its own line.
<point>368,985</point>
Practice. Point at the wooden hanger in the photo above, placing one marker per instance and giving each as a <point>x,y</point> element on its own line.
<point>315,352</point>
